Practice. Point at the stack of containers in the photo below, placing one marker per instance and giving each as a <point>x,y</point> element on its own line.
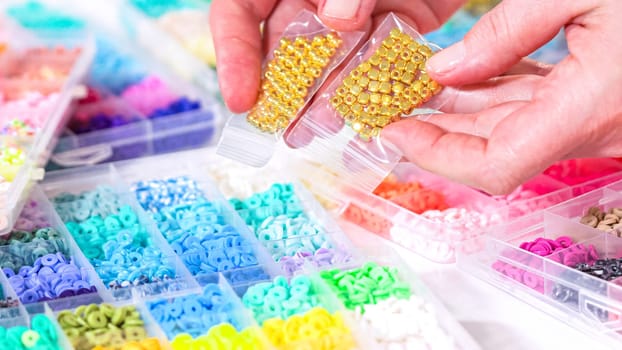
<point>143,112</point>
<point>39,82</point>
<point>564,260</point>
<point>93,209</point>
<point>134,107</point>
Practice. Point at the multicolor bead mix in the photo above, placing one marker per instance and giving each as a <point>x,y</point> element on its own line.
<point>293,70</point>
<point>389,84</point>
<point>104,325</point>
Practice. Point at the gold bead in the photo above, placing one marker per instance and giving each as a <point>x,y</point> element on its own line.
<point>373,86</point>
<point>356,73</point>
<point>363,98</point>
<point>357,126</point>
<point>313,71</point>
<point>392,56</point>
<point>363,82</point>
<point>400,65</point>
<point>417,86</point>
<point>398,88</point>
<point>372,109</point>
<point>425,78</point>
<point>375,59</point>
<point>434,86</point>
<point>413,46</point>
<point>356,109</point>
<point>416,100</point>
<point>349,82</point>
<point>349,99</point>
<point>342,90</point>
<point>382,51</point>
<point>343,109</point>
<point>373,74</point>
<point>385,87</point>
<point>375,98</point>
<point>384,65</point>
<point>396,74</point>
<point>333,39</point>
<point>385,76</point>
<point>387,100</point>
<point>336,100</point>
<point>406,38</point>
<point>317,42</point>
<point>388,43</point>
<point>395,33</point>
<point>406,55</point>
<point>411,67</point>
<point>306,81</point>
<point>407,77</point>
<point>355,90</point>
<point>365,67</point>
<point>426,51</point>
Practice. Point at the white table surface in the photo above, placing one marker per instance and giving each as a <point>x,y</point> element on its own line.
<point>495,319</point>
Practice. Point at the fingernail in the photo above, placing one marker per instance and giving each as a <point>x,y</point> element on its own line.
<point>447,60</point>
<point>341,9</point>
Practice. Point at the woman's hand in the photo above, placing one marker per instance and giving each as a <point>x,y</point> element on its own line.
<point>573,111</point>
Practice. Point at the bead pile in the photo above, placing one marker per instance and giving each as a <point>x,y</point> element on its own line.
<point>277,218</point>
<point>222,337</point>
<point>404,324</point>
<point>562,250</point>
<point>315,329</point>
<point>41,335</point>
<point>578,171</point>
<point>367,285</point>
<point>194,314</point>
<point>103,325</point>
<point>280,298</point>
<point>388,85</point>
<point>145,344</point>
<point>51,277</point>
<point>113,239</point>
<point>197,229</point>
<point>608,221</point>
<point>295,67</point>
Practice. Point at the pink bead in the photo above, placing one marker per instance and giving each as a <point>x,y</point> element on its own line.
<point>148,95</point>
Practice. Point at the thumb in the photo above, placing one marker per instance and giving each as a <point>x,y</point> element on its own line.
<point>346,15</point>
<point>501,38</point>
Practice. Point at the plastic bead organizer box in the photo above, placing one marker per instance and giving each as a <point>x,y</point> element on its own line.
<point>210,255</point>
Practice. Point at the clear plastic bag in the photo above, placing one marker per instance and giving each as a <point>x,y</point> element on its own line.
<point>293,72</point>
<point>383,83</point>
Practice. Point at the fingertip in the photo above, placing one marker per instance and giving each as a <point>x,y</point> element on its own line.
<point>346,16</point>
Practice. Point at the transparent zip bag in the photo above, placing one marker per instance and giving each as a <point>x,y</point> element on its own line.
<point>294,70</point>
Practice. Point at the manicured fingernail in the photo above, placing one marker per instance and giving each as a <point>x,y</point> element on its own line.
<point>341,9</point>
<point>447,60</point>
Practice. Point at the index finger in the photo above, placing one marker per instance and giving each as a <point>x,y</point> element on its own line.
<point>237,39</point>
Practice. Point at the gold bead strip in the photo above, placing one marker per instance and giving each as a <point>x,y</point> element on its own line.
<point>293,70</point>
<point>392,82</point>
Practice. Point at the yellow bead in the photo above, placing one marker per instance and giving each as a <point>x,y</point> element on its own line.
<point>388,42</point>
<point>387,100</point>
<point>365,67</point>
<point>382,51</point>
<point>349,99</point>
<point>373,109</point>
<point>373,86</point>
<point>396,74</point>
<point>355,90</point>
<point>375,59</point>
<point>336,100</point>
<point>342,91</point>
<point>385,87</point>
<point>349,82</point>
<point>384,76</point>
<point>395,33</point>
<point>384,65</point>
<point>363,98</point>
<point>363,82</point>
<point>375,98</point>
<point>373,74</point>
<point>398,87</point>
<point>356,109</point>
<point>407,77</point>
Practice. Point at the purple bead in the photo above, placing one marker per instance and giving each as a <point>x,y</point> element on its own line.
<point>8,272</point>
